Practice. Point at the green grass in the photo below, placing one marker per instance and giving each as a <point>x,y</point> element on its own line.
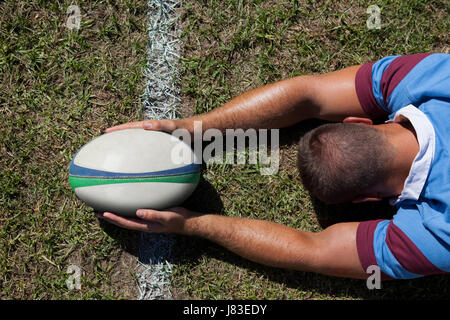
<point>233,46</point>
<point>59,89</point>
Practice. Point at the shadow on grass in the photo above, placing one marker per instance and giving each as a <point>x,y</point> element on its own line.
<point>328,215</point>
<point>205,199</point>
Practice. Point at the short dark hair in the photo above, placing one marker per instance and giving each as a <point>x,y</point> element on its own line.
<point>341,161</point>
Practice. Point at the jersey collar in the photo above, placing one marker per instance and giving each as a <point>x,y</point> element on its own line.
<point>421,165</point>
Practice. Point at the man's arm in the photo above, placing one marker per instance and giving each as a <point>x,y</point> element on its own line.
<point>331,252</point>
<point>330,96</point>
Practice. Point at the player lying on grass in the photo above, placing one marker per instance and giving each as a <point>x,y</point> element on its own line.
<point>405,158</point>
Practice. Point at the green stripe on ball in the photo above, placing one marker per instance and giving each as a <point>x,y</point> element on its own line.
<point>79,182</point>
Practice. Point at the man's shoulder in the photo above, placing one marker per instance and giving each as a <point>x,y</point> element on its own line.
<point>388,84</point>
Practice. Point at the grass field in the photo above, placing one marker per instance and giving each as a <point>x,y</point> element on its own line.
<point>60,88</point>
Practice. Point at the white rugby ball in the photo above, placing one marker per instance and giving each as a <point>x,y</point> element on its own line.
<point>131,169</point>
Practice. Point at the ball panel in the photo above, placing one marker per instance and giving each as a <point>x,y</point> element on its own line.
<point>132,151</point>
<point>126,198</point>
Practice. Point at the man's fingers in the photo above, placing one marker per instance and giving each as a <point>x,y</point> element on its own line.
<point>157,125</point>
<point>128,125</point>
<point>151,215</point>
<point>131,223</point>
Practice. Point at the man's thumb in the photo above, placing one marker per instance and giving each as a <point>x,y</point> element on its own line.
<point>150,215</point>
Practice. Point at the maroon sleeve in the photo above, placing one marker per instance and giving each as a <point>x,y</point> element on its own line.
<point>364,244</point>
<point>364,91</point>
<point>407,253</point>
<point>393,74</point>
<point>397,71</point>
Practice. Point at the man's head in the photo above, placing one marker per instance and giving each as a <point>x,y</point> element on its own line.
<point>344,162</point>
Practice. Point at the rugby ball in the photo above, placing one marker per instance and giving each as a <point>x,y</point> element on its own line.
<point>131,169</point>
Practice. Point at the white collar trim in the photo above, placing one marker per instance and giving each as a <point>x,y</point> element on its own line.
<point>420,167</point>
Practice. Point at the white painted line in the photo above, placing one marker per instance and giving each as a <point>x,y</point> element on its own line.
<point>161,101</point>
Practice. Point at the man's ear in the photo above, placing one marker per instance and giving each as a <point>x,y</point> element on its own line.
<point>358,120</point>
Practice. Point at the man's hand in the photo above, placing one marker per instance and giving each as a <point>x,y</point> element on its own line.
<point>166,125</point>
<point>170,220</point>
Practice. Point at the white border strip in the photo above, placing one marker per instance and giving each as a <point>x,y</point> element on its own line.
<point>161,101</point>
<point>162,93</point>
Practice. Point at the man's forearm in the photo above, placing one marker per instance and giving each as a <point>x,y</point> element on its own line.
<point>330,96</point>
<point>331,251</point>
<point>276,105</point>
<point>257,240</point>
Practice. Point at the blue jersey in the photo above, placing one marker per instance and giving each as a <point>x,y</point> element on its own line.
<point>416,241</point>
